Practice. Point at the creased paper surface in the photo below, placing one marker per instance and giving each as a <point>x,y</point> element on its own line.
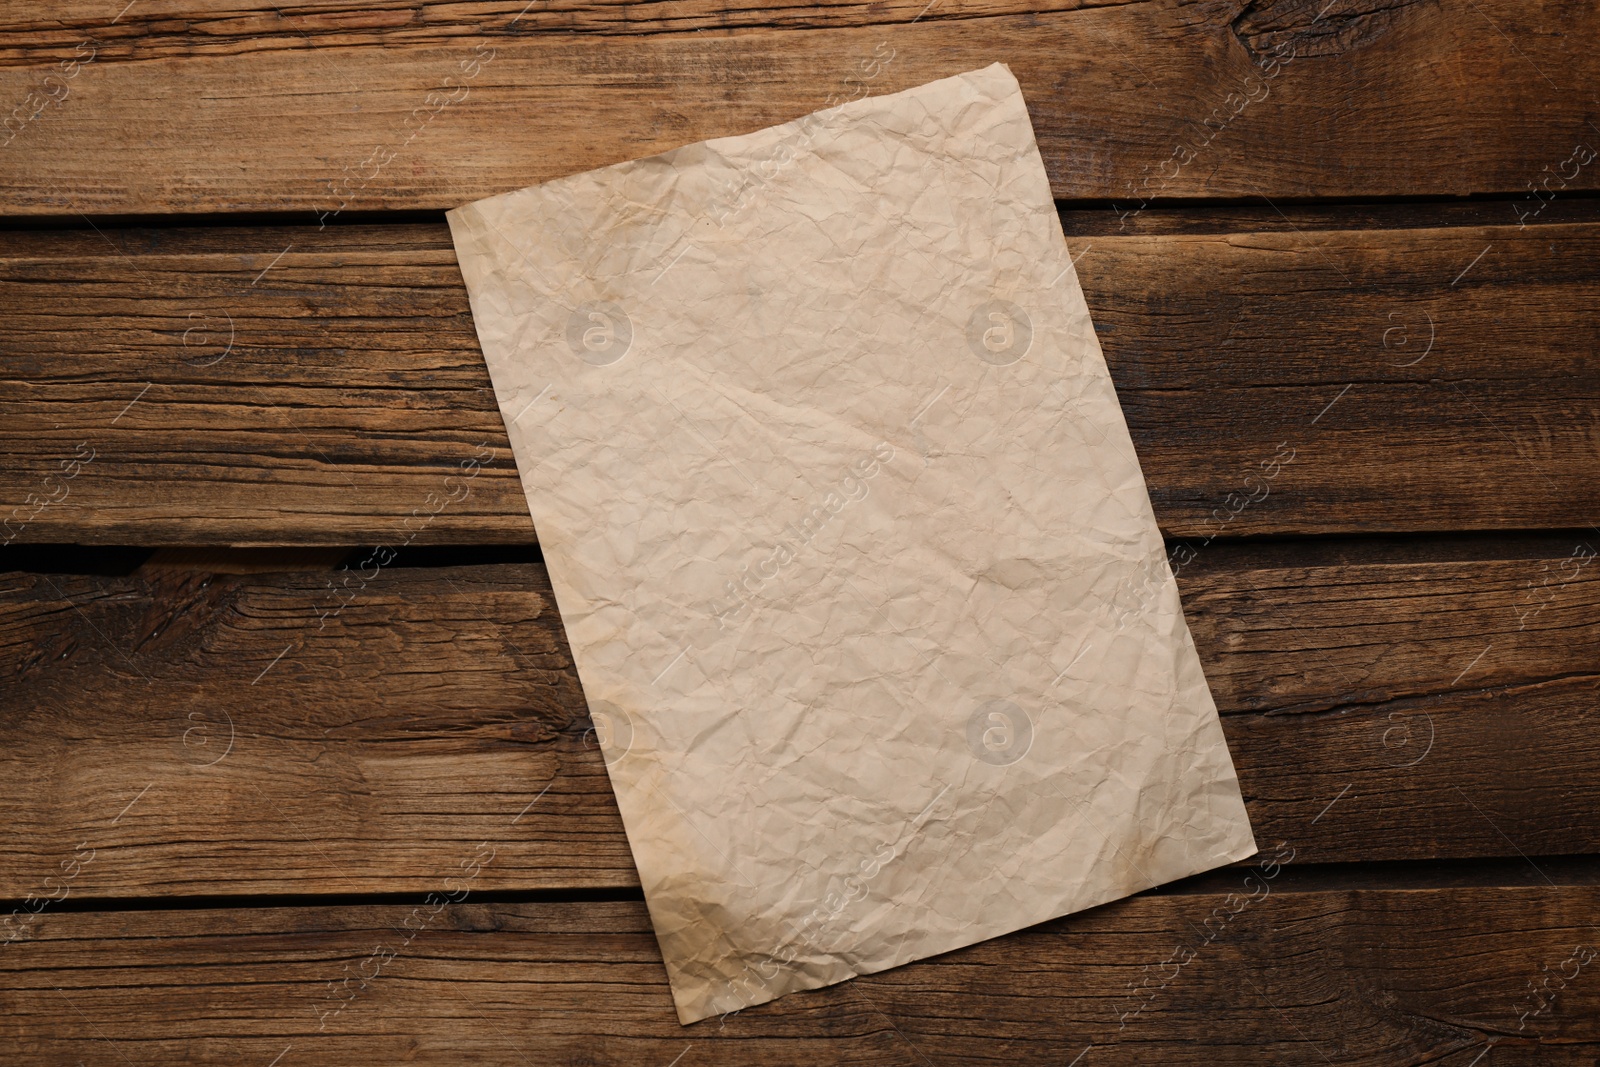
<point>845,526</point>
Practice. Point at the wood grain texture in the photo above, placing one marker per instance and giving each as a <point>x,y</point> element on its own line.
<point>1424,379</point>
<point>291,386</point>
<point>1353,977</point>
<point>382,727</point>
<point>237,108</point>
<point>228,725</point>
<point>161,28</point>
<point>344,733</point>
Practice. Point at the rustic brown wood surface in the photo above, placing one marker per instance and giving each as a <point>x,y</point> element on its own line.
<point>1253,971</point>
<point>359,730</point>
<point>244,786</point>
<point>209,108</point>
<point>296,387</point>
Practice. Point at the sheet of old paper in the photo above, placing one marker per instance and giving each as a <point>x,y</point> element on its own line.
<point>842,517</point>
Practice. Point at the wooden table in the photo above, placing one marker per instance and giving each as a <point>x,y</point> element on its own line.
<point>274,800</point>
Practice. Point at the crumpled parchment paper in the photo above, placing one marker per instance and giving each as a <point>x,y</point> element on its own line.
<point>857,565</point>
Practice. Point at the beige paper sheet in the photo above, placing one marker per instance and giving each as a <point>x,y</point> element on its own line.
<point>842,517</point>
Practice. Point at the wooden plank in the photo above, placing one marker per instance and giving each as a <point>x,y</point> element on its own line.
<point>1404,709</point>
<point>1355,977</point>
<point>384,722</point>
<point>1419,378</point>
<point>1132,101</point>
<point>300,733</point>
<point>325,402</point>
<point>273,386</point>
<point>161,28</point>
